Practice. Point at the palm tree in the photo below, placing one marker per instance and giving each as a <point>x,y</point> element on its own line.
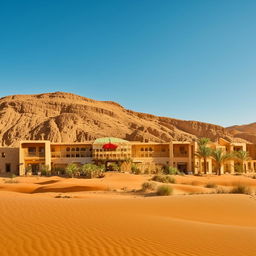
<point>203,152</point>
<point>242,156</point>
<point>220,157</point>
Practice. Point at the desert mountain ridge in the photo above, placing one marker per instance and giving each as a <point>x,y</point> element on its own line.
<point>66,117</point>
<point>246,132</point>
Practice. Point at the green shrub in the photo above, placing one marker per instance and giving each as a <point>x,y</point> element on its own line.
<point>210,185</point>
<point>148,186</point>
<point>71,170</point>
<point>135,169</point>
<point>114,167</point>
<point>240,189</point>
<point>164,190</point>
<point>58,171</point>
<point>90,171</point>
<point>169,170</point>
<point>164,179</point>
<point>45,170</point>
<point>238,168</point>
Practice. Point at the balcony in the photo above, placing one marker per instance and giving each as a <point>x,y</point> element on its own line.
<point>34,155</point>
<point>180,154</point>
<point>70,154</point>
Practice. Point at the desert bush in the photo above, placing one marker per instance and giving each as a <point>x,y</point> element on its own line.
<point>62,196</point>
<point>90,171</point>
<point>164,178</point>
<point>114,167</point>
<point>254,177</point>
<point>169,170</point>
<point>221,190</point>
<point>135,169</point>
<point>45,170</point>
<point>148,186</point>
<point>71,170</point>
<point>11,181</point>
<point>210,185</point>
<point>164,190</point>
<point>240,189</point>
<point>28,170</point>
<point>146,171</point>
<point>238,168</point>
<point>58,171</point>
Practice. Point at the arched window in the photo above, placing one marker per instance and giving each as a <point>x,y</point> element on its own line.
<point>142,149</point>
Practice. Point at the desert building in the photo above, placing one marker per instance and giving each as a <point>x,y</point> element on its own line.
<point>9,160</point>
<point>34,156</point>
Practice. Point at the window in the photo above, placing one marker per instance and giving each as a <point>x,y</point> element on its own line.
<point>41,150</point>
<point>182,149</point>
<point>83,149</point>
<point>8,167</point>
<point>67,155</point>
<point>67,149</point>
<point>142,149</point>
<point>77,155</point>
<point>31,150</point>
<point>3,155</point>
<point>77,149</point>
<point>73,149</point>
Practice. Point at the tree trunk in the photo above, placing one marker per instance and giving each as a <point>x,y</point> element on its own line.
<point>205,165</point>
<point>219,169</point>
<point>200,166</point>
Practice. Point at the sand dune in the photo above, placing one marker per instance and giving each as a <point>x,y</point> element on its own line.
<point>218,225</point>
<point>96,221</point>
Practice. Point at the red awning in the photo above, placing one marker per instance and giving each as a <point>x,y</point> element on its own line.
<point>109,146</point>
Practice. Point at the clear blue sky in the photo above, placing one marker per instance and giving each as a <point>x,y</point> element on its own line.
<point>193,60</point>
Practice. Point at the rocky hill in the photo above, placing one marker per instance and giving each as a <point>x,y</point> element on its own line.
<point>65,117</point>
<point>246,132</point>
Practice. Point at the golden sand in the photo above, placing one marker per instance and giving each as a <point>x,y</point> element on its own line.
<point>95,220</point>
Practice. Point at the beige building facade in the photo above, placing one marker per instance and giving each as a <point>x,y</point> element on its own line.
<point>33,156</point>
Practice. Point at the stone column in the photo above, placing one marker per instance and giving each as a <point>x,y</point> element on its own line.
<point>189,157</point>
<point>171,154</point>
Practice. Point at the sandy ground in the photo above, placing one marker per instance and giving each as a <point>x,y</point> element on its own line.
<point>102,217</point>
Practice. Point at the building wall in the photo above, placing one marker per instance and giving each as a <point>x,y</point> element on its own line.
<point>148,155</point>
<point>9,161</point>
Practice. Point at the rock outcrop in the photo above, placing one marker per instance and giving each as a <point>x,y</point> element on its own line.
<point>65,117</point>
<point>246,132</point>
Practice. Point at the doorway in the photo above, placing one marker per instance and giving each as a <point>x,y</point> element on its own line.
<point>35,169</point>
<point>7,167</point>
<point>182,167</point>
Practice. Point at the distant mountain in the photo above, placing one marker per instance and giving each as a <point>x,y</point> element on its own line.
<point>246,132</point>
<point>65,117</point>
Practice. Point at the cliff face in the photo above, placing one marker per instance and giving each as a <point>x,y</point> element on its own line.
<point>65,117</point>
<point>246,132</point>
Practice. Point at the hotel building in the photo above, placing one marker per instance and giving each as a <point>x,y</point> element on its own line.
<point>146,155</point>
